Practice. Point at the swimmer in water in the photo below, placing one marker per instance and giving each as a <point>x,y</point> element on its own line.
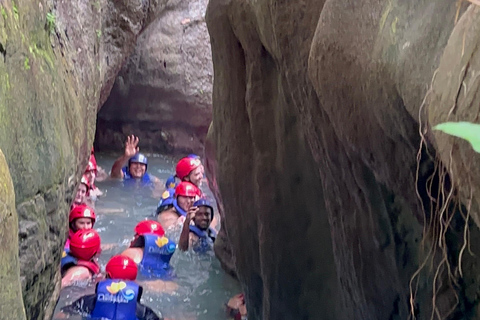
<point>80,263</point>
<point>82,190</point>
<point>132,167</point>
<point>91,174</point>
<point>185,195</point>
<point>190,169</point>
<point>101,175</point>
<point>81,217</point>
<point>166,202</point>
<point>152,251</point>
<point>198,236</point>
<point>116,297</point>
<point>184,172</point>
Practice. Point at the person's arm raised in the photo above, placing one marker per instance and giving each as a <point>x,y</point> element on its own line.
<point>184,240</point>
<point>130,150</point>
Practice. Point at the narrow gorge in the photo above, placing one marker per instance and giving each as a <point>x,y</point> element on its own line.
<point>338,200</point>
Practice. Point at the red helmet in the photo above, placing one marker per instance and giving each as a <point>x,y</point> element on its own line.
<point>92,164</point>
<point>122,268</point>
<point>185,166</point>
<point>149,226</point>
<point>84,180</point>
<point>85,244</point>
<point>82,211</point>
<point>187,189</point>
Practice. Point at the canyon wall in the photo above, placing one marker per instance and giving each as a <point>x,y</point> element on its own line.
<point>58,63</point>
<point>163,93</point>
<point>339,200</point>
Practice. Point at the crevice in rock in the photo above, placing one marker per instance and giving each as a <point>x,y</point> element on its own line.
<point>3,51</point>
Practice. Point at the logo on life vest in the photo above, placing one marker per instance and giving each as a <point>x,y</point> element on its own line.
<point>64,254</point>
<point>166,194</point>
<point>160,242</point>
<point>116,293</point>
<point>114,287</point>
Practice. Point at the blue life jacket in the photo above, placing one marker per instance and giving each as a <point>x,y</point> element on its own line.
<point>156,257</point>
<point>179,210</point>
<point>70,261</point>
<point>67,261</point>
<point>171,183</point>
<point>128,179</point>
<point>116,300</point>
<point>166,199</point>
<point>205,239</point>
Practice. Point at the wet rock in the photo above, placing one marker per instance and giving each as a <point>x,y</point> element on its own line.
<point>163,93</point>
<point>273,198</point>
<point>11,302</point>
<point>58,61</point>
<point>223,248</point>
<point>332,202</point>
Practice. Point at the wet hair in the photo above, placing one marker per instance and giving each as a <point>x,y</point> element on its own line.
<point>138,242</point>
<point>163,208</point>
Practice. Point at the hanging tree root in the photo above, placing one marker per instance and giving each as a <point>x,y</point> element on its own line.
<point>440,204</point>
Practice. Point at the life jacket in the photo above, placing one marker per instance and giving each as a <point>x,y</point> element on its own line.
<point>116,300</point>
<point>166,200</point>
<point>146,180</point>
<point>180,211</point>
<point>171,183</point>
<point>206,238</point>
<point>156,257</point>
<point>69,261</point>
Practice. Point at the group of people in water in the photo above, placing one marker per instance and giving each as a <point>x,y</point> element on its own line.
<point>182,204</point>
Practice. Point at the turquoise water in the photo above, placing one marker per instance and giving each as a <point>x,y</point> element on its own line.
<point>203,286</point>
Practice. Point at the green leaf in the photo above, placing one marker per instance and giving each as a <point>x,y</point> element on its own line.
<point>465,130</point>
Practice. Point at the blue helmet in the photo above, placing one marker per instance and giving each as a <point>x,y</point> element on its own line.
<point>170,183</point>
<point>193,156</point>
<point>203,203</point>
<point>139,158</point>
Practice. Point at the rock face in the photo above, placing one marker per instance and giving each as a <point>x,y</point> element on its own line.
<point>11,294</point>
<point>58,61</point>
<point>223,249</point>
<point>335,206</point>
<point>163,93</point>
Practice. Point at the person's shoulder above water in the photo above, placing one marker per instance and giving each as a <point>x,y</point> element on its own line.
<point>151,250</point>
<point>146,313</point>
<point>80,264</point>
